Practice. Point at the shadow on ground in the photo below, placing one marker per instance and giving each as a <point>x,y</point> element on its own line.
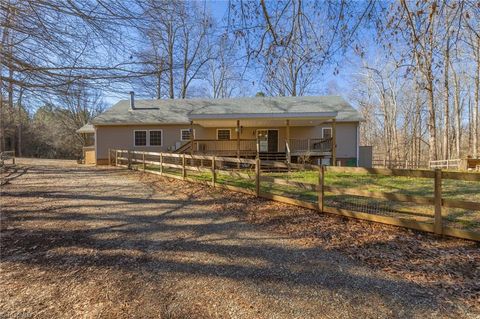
<point>66,219</point>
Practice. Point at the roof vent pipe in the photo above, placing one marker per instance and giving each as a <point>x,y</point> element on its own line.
<point>132,100</point>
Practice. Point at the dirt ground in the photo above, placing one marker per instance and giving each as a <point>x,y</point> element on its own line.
<point>98,242</point>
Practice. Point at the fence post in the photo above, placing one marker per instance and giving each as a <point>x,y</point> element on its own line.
<point>214,173</point>
<point>143,158</point>
<point>184,172</point>
<point>13,158</point>
<point>116,157</point>
<point>129,158</point>
<point>321,182</point>
<point>438,223</point>
<point>109,157</point>
<point>257,176</point>
<point>161,163</point>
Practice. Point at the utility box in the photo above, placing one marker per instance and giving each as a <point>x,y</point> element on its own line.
<point>365,156</point>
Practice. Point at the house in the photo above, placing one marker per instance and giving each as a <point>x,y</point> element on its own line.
<point>319,129</point>
<point>88,132</point>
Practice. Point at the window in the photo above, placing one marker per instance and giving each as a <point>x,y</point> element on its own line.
<point>156,138</point>
<point>147,138</point>
<point>140,138</point>
<point>223,134</point>
<point>185,134</point>
<point>327,132</point>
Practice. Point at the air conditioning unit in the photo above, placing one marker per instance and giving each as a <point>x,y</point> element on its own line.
<point>324,161</point>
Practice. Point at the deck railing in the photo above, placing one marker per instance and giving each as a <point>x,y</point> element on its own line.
<point>250,147</point>
<point>247,147</point>
<point>311,144</point>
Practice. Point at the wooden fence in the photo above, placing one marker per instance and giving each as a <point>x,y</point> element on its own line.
<point>405,164</point>
<point>446,164</point>
<point>7,156</point>
<point>253,170</point>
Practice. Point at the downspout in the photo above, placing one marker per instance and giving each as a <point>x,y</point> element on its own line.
<point>358,142</point>
<point>95,142</point>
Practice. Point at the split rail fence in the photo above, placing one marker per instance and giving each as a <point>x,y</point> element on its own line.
<point>255,173</point>
<point>7,156</point>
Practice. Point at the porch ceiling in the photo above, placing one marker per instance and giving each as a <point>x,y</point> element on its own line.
<point>259,122</point>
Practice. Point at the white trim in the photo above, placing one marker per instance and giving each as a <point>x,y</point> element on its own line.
<point>96,147</point>
<point>161,137</point>
<point>188,123</point>
<point>358,143</point>
<point>269,129</point>
<point>186,129</point>
<point>327,128</point>
<point>224,129</point>
<point>146,138</point>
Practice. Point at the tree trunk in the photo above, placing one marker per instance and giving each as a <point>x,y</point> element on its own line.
<point>432,128</point>
<point>159,81</point>
<point>170,59</point>
<point>19,127</point>
<point>446,111</point>
<point>185,68</point>
<point>476,104</point>
<point>457,123</point>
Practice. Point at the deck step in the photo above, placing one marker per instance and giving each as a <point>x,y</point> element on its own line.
<point>272,156</point>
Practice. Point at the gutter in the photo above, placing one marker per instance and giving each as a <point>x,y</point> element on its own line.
<point>250,116</point>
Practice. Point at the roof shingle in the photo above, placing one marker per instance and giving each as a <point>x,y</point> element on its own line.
<point>178,111</point>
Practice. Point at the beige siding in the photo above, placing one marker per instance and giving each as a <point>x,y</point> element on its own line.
<point>346,137</point>
<point>122,137</point>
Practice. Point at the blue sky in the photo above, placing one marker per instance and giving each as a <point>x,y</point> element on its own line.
<point>328,83</point>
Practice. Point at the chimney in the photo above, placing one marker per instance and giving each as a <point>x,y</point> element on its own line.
<point>132,100</point>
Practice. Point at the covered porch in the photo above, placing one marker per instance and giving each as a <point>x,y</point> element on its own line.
<point>87,132</point>
<point>267,136</point>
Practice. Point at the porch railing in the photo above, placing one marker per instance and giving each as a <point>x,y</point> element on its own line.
<point>250,147</point>
<point>247,147</point>
<point>311,145</point>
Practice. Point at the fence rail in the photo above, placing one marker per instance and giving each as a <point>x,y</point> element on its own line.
<point>7,156</point>
<point>253,173</point>
<point>404,164</point>
<point>445,164</point>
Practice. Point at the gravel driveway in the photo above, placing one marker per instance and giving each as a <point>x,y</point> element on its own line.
<point>81,241</point>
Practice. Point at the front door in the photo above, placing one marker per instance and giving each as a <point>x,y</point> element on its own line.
<point>268,140</point>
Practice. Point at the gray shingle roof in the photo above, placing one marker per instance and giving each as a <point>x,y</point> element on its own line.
<point>178,111</point>
<point>87,128</point>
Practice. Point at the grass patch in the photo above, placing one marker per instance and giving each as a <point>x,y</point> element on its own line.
<point>451,189</point>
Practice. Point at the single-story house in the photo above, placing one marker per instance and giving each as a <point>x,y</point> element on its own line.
<point>88,152</point>
<point>319,129</point>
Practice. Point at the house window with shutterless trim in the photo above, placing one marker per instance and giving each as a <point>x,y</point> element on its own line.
<point>185,134</point>
<point>155,138</point>
<point>140,138</point>
<point>223,135</point>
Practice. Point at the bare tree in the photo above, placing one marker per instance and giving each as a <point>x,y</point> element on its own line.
<point>293,41</point>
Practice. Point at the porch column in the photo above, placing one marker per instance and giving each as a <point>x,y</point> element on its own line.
<point>238,142</point>
<point>334,142</point>
<point>191,138</point>
<point>289,157</point>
